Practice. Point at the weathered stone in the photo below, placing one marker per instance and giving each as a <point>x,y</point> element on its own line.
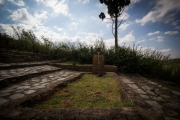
<point>146,88</point>
<point>164,88</point>
<point>158,110</point>
<point>4,94</point>
<point>171,113</point>
<point>2,101</point>
<point>125,80</point>
<point>153,83</point>
<point>154,104</point>
<point>29,91</point>
<point>170,118</point>
<point>176,93</point>
<point>23,87</point>
<point>60,79</point>
<point>140,91</point>
<point>98,62</point>
<point>165,96</point>
<point>144,96</point>
<point>133,86</point>
<point>16,96</point>
<point>150,92</point>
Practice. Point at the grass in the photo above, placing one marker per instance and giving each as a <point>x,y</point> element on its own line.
<point>90,91</point>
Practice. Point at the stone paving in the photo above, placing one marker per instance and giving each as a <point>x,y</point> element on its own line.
<point>161,99</point>
<point>33,85</point>
<point>4,74</point>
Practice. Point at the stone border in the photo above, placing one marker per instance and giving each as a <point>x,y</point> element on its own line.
<point>86,68</point>
<point>18,110</point>
<point>128,95</point>
<point>9,81</point>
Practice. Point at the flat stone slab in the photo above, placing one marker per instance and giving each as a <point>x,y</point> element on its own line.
<point>176,93</point>
<point>125,80</point>
<point>144,96</point>
<point>140,91</point>
<point>25,71</point>
<point>146,88</point>
<point>154,104</point>
<point>29,92</point>
<point>2,101</point>
<point>133,86</point>
<point>16,96</point>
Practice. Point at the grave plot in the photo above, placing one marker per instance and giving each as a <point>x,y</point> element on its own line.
<point>91,91</point>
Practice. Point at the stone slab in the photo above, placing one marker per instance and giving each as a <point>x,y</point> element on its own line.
<point>158,110</point>
<point>154,104</point>
<point>133,86</point>
<point>170,118</point>
<point>140,91</point>
<point>4,94</point>
<point>176,93</point>
<point>16,96</point>
<point>29,91</point>
<point>2,101</point>
<point>127,81</point>
<point>144,96</point>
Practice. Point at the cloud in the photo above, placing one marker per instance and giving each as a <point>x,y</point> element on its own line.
<point>177,27</point>
<point>84,1</point>
<point>134,1</point>
<point>22,16</point>
<point>124,26</point>
<point>17,2</point>
<point>165,50</point>
<point>1,1</point>
<point>171,32</point>
<point>127,38</point>
<point>153,33</point>
<point>160,12</point>
<point>160,39</point>
<point>140,41</point>
<point>59,7</point>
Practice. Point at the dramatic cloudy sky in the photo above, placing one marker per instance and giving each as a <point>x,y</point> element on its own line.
<point>150,23</point>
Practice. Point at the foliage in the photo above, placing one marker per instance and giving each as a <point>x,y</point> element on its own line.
<point>115,9</point>
<point>128,59</point>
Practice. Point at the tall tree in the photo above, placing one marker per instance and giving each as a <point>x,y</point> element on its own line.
<point>115,9</point>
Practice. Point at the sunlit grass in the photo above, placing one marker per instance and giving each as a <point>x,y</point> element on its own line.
<point>90,91</point>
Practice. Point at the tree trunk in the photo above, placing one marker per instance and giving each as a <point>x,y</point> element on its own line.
<point>116,34</point>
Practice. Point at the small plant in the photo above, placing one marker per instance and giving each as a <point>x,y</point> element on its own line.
<point>100,74</point>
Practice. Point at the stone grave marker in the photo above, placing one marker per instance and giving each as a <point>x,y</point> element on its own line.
<point>98,62</point>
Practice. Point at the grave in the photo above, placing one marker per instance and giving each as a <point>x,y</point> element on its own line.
<point>98,62</point>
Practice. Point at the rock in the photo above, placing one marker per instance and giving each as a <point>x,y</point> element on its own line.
<point>16,96</point>
<point>133,86</point>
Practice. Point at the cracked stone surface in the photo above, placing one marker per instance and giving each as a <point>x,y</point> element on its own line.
<point>25,71</point>
<point>31,86</point>
<point>161,99</point>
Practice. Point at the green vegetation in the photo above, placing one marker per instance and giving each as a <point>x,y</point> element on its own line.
<point>90,91</point>
<point>128,59</point>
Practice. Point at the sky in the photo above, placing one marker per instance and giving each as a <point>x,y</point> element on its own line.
<point>147,23</point>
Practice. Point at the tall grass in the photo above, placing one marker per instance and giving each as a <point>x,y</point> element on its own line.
<point>128,59</point>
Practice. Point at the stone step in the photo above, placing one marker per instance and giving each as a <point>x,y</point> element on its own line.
<point>32,87</point>
<point>11,76</point>
<point>5,66</point>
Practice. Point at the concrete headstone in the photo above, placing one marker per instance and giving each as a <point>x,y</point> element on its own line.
<point>98,62</point>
